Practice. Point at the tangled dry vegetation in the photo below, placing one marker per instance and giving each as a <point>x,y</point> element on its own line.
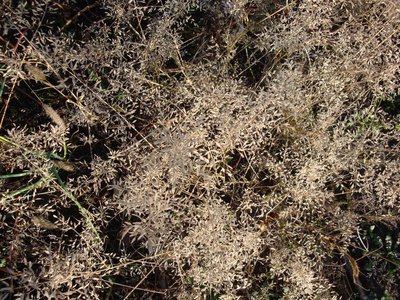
<point>194,149</point>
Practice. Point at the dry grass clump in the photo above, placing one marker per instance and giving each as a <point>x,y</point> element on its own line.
<point>199,149</point>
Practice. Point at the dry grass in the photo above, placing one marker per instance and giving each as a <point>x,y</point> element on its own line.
<point>199,149</point>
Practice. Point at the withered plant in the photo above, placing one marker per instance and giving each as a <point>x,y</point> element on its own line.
<point>188,149</point>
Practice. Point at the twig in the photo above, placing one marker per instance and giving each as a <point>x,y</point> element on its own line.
<point>77,15</point>
<point>19,40</point>
<point>279,10</point>
<point>7,42</point>
<point>7,101</point>
<point>144,278</point>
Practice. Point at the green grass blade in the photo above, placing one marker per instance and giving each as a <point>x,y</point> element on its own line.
<point>16,175</point>
<point>81,208</point>
<point>45,155</point>
<point>40,183</point>
<point>3,83</point>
